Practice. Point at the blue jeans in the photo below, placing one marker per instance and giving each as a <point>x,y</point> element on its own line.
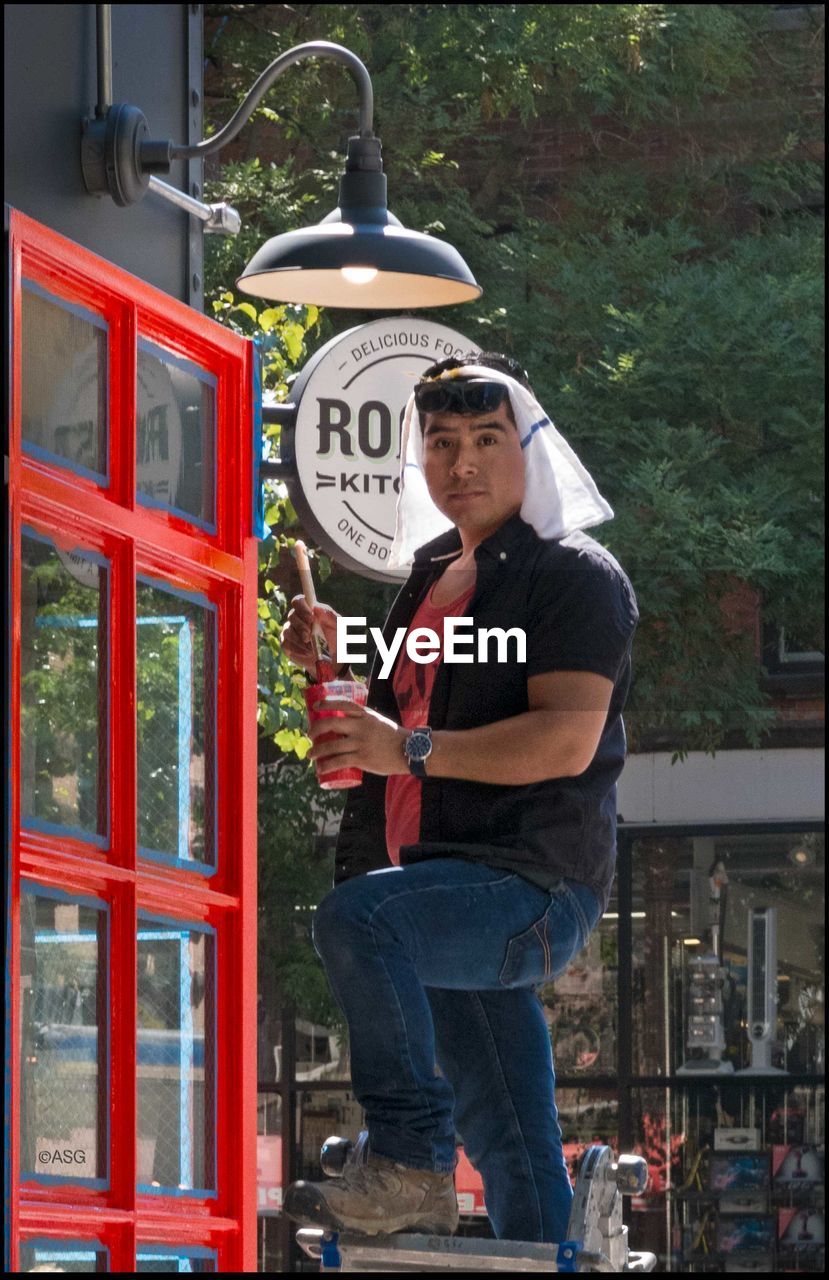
<point>437,963</point>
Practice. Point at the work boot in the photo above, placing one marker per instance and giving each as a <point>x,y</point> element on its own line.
<point>377,1197</point>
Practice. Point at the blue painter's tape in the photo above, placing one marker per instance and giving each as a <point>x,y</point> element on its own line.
<point>147,501</point>
<point>91,317</point>
<point>169,860</point>
<point>330,1256</point>
<point>59,1247</point>
<point>260,529</point>
<point>67,1255</point>
<point>54,620</point>
<point>176,1193</point>
<point>27,531</point>
<point>58,460</point>
<point>176,925</point>
<point>194,597</point>
<point>178,362</point>
<point>567,1256</point>
<point>158,1253</point>
<point>57,829</point>
<point>61,895</point>
<point>54,1180</point>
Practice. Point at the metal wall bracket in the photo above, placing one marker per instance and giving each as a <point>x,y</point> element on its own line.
<point>220,219</point>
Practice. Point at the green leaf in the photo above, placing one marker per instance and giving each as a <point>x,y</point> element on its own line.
<point>270,317</point>
<point>293,335</point>
<point>248,308</point>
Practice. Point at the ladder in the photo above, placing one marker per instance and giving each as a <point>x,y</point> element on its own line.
<point>597,1238</point>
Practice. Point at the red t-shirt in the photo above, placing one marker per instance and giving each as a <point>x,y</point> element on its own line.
<point>412,683</point>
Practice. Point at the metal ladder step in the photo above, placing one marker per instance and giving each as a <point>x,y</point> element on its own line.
<point>404,1252</point>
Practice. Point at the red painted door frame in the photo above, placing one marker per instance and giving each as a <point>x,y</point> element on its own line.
<point>222,566</point>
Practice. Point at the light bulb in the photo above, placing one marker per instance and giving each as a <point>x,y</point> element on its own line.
<point>359,275</point>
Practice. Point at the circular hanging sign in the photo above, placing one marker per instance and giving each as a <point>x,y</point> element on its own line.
<point>343,442</point>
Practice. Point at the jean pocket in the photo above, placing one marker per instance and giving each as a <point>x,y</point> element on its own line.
<point>543,951</point>
<point>579,912</point>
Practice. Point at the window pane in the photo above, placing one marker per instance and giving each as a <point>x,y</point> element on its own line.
<point>176,708</point>
<point>63,1255</point>
<point>63,957</point>
<point>322,1115</point>
<point>176,435</point>
<point>743,1159</point>
<point>176,1043</point>
<point>696,903</point>
<point>322,1052</point>
<point>582,1006</point>
<point>270,1249</point>
<point>587,1116</point>
<point>158,1258</point>
<point>63,701</point>
<point>269,1176</point>
<point>64,381</point>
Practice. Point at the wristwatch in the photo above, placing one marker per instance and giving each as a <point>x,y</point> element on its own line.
<point>417,749</point>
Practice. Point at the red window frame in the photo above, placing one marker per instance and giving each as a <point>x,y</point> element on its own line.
<point>223,566</point>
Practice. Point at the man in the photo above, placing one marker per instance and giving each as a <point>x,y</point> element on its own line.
<point>479,851</point>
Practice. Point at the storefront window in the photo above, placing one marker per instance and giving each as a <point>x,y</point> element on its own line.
<point>176,435</point>
<point>736,1175</point>
<point>64,667</point>
<point>697,904</point>
<point>176,678</point>
<point>582,1006</point>
<point>728,1003</point>
<point>176,1045</point>
<point>64,367</point>
<point>64,1033</point>
<point>269,1154</point>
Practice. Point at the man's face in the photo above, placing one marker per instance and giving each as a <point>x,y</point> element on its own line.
<point>474,468</point>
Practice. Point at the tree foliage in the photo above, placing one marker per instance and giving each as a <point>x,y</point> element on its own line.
<point>634,187</point>
<point>668,313</point>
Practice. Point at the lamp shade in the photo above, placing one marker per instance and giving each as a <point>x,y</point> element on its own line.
<point>360,256</point>
<point>362,265</point>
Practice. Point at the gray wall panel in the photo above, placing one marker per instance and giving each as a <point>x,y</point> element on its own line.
<point>51,84</point>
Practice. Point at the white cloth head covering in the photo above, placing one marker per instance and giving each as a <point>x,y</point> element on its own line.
<point>560,495</point>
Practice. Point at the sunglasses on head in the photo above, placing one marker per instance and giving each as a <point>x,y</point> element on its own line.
<point>459,396</point>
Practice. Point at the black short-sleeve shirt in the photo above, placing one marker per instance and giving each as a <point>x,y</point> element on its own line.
<point>578,611</point>
<point>581,611</point>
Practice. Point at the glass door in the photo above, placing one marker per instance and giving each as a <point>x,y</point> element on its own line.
<point>131,775</point>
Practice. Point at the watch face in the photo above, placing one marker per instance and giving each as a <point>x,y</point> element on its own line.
<point>418,746</point>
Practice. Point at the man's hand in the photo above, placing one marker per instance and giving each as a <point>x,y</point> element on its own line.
<point>366,740</point>
<point>296,634</point>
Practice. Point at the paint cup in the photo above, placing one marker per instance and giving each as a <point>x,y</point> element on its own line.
<point>355,691</point>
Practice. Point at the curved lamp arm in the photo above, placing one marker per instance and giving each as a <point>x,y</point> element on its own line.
<point>118,157</point>
<point>312,49</point>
